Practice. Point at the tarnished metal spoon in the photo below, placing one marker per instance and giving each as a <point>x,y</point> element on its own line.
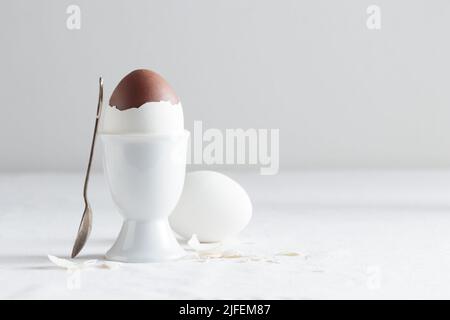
<point>86,221</point>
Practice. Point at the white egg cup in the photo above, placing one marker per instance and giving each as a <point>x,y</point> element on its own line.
<point>145,174</point>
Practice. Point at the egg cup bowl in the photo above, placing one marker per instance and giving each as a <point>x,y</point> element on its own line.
<point>145,174</point>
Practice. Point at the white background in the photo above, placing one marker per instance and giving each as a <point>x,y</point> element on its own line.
<point>342,96</point>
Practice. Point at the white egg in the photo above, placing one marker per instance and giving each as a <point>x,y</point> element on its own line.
<point>212,206</point>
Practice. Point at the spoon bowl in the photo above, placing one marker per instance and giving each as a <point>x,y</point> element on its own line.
<point>83,231</point>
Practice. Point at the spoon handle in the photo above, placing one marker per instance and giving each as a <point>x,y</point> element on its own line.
<point>91,154</point>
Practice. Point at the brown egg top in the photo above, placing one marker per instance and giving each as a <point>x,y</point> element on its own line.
<point>139,87</point>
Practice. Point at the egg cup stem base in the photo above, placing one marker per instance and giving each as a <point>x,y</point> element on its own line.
<point>145,241</point>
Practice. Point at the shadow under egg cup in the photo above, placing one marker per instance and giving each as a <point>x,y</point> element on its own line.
<point>145,174</point>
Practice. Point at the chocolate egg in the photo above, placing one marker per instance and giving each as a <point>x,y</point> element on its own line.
<point>143,103</point>
<point>139,87</point>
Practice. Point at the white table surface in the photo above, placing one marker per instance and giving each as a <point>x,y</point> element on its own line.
<point>358,235</point>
